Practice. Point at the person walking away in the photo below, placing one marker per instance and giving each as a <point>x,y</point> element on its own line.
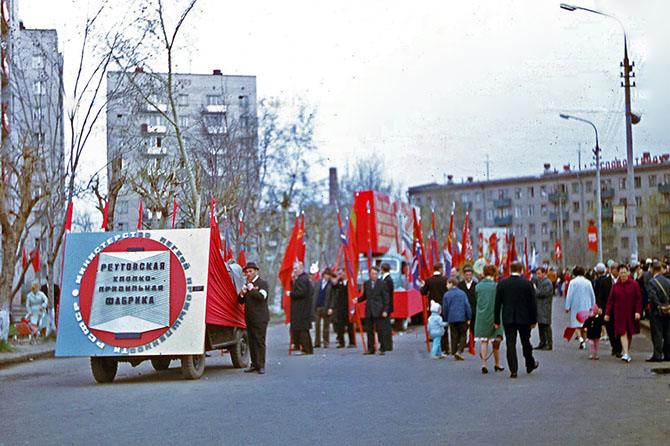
<point>457,312</point>
<point>553,277</point>
<point>659,314</point>
<point>339,308</point>
<point>436,330</point>
<point>593,326</point>
<point>468,285</point>
<point>387,335</point>
<point>434,287</point>
<point>580,296</point>
<point>376,297</point>
<point>301,309</point>
<point>516,308</point>
<point>625,304</point>
<point>254,297</point>
<point>604,287</point>
<point>321,298</point>
<point>485,332</point>
<point>544,293</point>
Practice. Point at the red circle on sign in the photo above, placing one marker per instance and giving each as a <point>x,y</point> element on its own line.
<point>177,291</point>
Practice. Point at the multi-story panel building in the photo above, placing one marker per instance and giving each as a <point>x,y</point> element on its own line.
<point>537,207</point>
<point>216,115</point>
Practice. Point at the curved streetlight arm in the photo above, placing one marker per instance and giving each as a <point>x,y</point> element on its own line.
<point>564,116</point>
<point>568,7</point>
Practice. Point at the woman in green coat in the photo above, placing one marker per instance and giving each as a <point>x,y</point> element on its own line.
<point>484,329</point>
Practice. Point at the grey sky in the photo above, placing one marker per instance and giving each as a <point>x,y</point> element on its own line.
<point>434,86</point>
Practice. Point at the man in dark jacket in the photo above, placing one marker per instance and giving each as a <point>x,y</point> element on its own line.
<point>603,288</point>
<point>544,292</point>
<point>457,312</point>
<point>339,308</point>
<point>377,304</point>
<point>516,296</point>
<point>254,297</point>
<point>468,285</point>
<point>321,301</point>
<point>387,335</point>
<point>434,287</point>
<point>659,294</point>
<point>301,310</point>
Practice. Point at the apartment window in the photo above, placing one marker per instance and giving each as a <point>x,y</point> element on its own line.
<point>244,101</point>
<point>214,99</point>
<point>244,123</point>
<point>589,187</point>
<point>575,206</point>
<point>489,214</point>
<point>575,226</point>
<point>214,121</point>
<point>518,211</point>
<point>184,122</point>
<point>531,192</point>
<point>120,226</point>
<point>478,197</point>
<point>638,222</point>
<point>489,194</point>
<point>545,228</point>
<point>575,188</point>
<point>666,178</point>
<point>502,193</point>
<point>39,87</point>
<point>543,210</point>
<point>624,242</point>
<point>122,207</point>
<point>623,201</point>
<point>518,194</point>
<point>543,191</point>
<point>652,180</point>
<point>531,211</point>
<point>531,229</point>
<point>39,138</point>
<point>638,182</point>
<point>590,205</point>
<point>638,201</point>
<point>622,183</point>
<point>154,119</point>
<point>640,241</point>
<point>518,229</point>
<point>182,99</point>
<point>532,247</point>
<point>545,246</point>
<point>465,198</point>
<point>37,113</point>
<point>37,61</point>
<point>478,214</point>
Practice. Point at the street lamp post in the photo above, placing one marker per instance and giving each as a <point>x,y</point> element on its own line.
<point>599,209</point>
<point>630,177</point>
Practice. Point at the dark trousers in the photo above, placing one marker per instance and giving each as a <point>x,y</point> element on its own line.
<point>660,336</point>
<point>341,324</point>
<point>256,332</point>
<point>321,315</point>
<point>303,341</point>
<point>372,323</point>
<point>615,341</point>
<point>459,336</point>
<point>545,335</point>
<point>384,334</point>
<point>511,331</point>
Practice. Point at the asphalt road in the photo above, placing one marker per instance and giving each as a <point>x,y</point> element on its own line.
<point>342,397</point>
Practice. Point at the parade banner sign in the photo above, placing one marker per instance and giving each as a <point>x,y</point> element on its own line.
<point>134,293</point>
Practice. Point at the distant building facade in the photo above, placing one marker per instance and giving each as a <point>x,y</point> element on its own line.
<point>536,206</point>
<point>216,114</point>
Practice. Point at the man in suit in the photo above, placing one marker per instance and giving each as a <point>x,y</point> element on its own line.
<point>339,308</point>
<point>603,287</point>
<point>301,310</point>
<point>516,297</point>
<point>321,300</point>
<point>254,297</point>
<point>434,287</point>
<point>659,294</point>
<point>386,338</point>
<point>377,304</point>
<point>468,285</point>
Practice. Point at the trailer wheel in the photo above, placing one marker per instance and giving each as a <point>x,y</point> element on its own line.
<point>160,363</point>
<point>193,366</point>
<point>239,353</point>
<point>104,369</point>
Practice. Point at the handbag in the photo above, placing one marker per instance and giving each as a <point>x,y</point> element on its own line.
<point>663,309</point>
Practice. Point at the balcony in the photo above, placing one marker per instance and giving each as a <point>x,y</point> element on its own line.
<point>664,188</point>
<point>150,129</point>
<point>155,108</point>
<point>156,151</point>
<point>502,202</point>
<point>556,197</point>
<point>216,130</point>
<point>216,108</point>
<point>554,216</point>
<point>607,213</point>
<point>606,194</point>
<point>503,221</point>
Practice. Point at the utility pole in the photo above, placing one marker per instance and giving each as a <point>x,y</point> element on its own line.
<point>632,204</point>
<point>487,162</point>
<point>560,226</point>
<point>581,183</point>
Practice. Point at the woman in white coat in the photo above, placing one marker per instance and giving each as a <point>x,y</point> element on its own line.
<point>36,306</point>
<point>580,297</point>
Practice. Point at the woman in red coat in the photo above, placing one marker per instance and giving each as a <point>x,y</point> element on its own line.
<point>625,306</point>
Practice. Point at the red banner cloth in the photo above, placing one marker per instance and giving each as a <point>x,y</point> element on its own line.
<point>592,236</point>
<point>286,268</point>
<point>222,305</point>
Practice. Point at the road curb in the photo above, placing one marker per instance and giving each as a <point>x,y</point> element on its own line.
<point>24,357</point>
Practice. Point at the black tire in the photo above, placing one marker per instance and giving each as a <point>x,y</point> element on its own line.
<point>104,369</point>
<point>239,353</point>
<point>193,366</point>
<point>160,363</point>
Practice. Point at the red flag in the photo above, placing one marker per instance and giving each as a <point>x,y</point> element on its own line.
<point>369,224</point>
<point>241,257</point>
<point>68,218</point>
<point>471,343</point>
<point>513,254</point>
<point>139,219</point>
<point>24,262</point>
<point>467,254</point>
<point>480,243</point>
<point>559,251</point>
<point>352,241</point>
<point>435,256</point>
<point>506,256</point>
<point>36,259</point>
<point>104,216</point>
<point>286,268</point>
<point>525,255</point>
<point>592,236</point>
<point>450,236</point>
<point>301,239</point>
<point>212,216</point>
<point>424,272</point>
<point>174,211</point>
<point>493,250</point>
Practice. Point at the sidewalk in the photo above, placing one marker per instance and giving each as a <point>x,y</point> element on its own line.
<point>24,351</point>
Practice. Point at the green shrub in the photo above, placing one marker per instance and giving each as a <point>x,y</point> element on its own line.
<point>5,347</point>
